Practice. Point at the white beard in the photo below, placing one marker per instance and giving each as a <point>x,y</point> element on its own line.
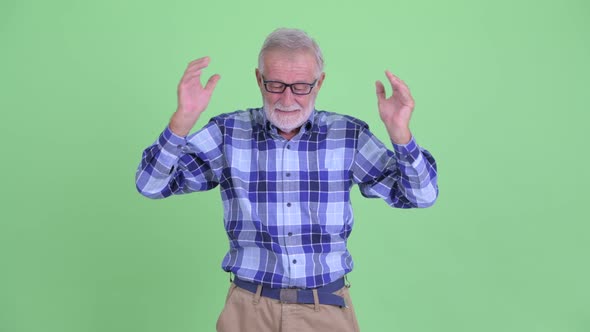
<point>285,121</point>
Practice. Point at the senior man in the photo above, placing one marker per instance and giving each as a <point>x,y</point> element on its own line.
<point>285,172</point>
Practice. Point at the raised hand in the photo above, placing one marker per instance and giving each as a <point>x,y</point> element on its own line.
<point>396,110</point>
<point>193,98</point>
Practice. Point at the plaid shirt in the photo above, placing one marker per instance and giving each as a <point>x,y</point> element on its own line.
<point>287,209</point>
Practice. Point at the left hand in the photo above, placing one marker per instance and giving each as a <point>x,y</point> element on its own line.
<point>396,110</point>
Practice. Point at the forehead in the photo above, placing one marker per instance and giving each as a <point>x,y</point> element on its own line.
<point>289,66</point>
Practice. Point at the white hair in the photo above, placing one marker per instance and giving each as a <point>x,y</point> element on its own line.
<point>291,40</point>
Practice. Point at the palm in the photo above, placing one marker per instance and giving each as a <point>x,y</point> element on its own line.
<point>395,110</point>
<point>192,96</point>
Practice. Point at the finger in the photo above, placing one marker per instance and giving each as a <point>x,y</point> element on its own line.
<point>212,82</point>
<point>198,64</point>
<point>195,68</point>
<point>380,89</point>
<point>395,81</point>
<point>401,84</point>
<point>193,73</point>
<point>191,82</point>
<point>199,60</point>
<point>404,90</point>
<point>191,77</point>
<point>398,86</point>
<point>391,78</point>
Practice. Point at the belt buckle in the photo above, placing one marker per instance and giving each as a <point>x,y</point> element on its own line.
<point>288,295</point>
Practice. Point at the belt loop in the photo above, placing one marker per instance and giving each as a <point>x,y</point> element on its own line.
<point>316,300</point>
<point>230,278</point>
<point>257,295</point>
<point>346,283</point>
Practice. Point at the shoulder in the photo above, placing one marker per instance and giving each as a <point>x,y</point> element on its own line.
<point>332,120</point>
<point>244,119</point>
<point>247,114</point>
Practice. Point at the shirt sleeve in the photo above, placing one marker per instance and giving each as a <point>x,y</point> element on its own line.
<point>406,178</point>
<point>178,165</point>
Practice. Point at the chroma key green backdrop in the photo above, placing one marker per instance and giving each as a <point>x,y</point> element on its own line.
<point>501,90</point>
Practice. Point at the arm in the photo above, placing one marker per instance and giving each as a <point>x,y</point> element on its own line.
<point>175,164</point>
<point>407,178</point>
<point>404,179</point>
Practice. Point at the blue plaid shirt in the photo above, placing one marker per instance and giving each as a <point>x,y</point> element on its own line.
<point>287,209</point>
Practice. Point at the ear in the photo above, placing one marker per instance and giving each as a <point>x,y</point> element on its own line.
<point>258,78</point>
<point>320,81</point>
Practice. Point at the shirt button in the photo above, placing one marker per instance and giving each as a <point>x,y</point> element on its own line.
<point>289,146</point>
<point>288,174</point>
<point>288,204</point>
<point>290,234</point>
<point>294,261</point>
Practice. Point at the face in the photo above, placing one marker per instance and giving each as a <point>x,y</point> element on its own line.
<point>288,111</point>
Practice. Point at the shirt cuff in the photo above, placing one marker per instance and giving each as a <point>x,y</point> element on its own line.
<point>407,152</point>
<point>172,143</point>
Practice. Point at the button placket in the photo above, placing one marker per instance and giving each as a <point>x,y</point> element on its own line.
<point>290,197</point>
<point>288,175</point>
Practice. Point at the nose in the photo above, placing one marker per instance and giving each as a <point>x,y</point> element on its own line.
<point>287,97</point>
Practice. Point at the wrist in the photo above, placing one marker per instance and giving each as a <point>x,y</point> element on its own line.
<point>399,135</point>
<point>180,124</point>
<point>178,131</point>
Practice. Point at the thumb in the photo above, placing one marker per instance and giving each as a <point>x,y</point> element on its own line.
<point>380,89</point>
<point>212,82</point>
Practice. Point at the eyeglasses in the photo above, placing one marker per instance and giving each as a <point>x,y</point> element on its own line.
<point>297,88</point>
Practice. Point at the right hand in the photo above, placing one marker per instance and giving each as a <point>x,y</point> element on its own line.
<point>193,98</point>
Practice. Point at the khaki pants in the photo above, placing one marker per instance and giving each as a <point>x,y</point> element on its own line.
<point>248,312</point>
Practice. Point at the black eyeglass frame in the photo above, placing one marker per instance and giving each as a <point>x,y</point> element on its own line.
<point>290,86</point>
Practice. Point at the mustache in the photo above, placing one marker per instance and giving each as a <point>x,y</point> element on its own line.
<point>290,108</point>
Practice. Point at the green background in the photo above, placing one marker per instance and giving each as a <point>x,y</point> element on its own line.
<point>501,93</point>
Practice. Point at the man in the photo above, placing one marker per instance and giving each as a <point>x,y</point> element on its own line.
<point>285,172</point>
